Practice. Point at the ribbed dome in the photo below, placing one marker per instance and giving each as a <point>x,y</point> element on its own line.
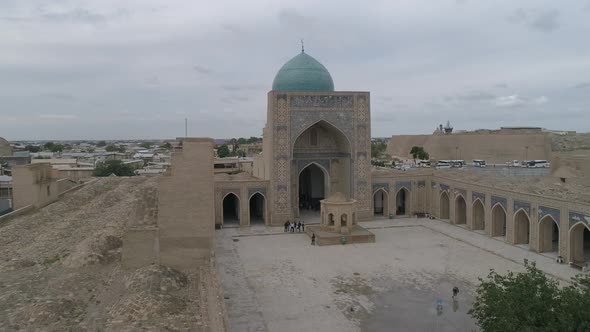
<point>303,73</point>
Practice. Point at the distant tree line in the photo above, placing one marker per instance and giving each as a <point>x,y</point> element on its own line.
<point>115,167</point>
<point>223,150</point>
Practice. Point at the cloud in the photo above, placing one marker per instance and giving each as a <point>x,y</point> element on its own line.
<point>245,87</point>
<point>475,95</point>
<point>501,85</point>
<point>541,100</point>
<point>519,101</point>
<point>202,70</point>
<point>582,85</point>
<point>545,20</point>
<point>58,116</point>
<point>510,101</point>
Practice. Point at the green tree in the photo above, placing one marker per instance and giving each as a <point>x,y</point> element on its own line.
<point>111,148</point>
<point>113,167</point>
<point>222,151</point>
<point>32,148</point>
<point>56,148</point>
<point>146,145</point>
<point>418,152</point>
<point>378,149</point>
<point>48,146</point>
<point>114,148</point>
<point>166,146</point>
<point>101,143</point>
<point>530,301</point>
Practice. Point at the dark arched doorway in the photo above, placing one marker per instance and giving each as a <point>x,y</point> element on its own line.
<point>579,244</point>
<point>312,187</point>
<point>257,209</point>
<point>444,206</point>
<point>498,221</point>
<point>401,202</point>
<point>548,235</point>
<point>460,211</point>
<point>478,216</point>
<point>380,199</point>
<point>231,210</point>
<point>521,227</point>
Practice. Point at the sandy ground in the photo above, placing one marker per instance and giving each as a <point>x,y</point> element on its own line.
<point>60,268</point>
<point>279,282</point>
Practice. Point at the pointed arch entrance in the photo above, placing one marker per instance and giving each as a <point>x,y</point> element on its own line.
<point>478,216</point>
<point>579,240</point>
<point>460,210</point>
<point>445,206</point>
<point>257,209</point>
<point>328,149</point>
<point>402,198</point>
<point>380,203</point>
<point>522,227</point>
<point>548,235</point>
<point>498,221</point>
<point>312,187</point>
<point>231,210</point>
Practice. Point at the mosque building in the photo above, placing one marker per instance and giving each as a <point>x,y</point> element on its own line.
<point>316,143</point>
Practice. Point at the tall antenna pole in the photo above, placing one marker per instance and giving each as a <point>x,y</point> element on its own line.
<point>185,127</point>
<point>302,47</point>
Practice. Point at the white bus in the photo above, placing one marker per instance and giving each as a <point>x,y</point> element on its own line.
<point>537,164</point>
<point>458,163</point>
<point>443,164</point>
<point>423,163</point>
<point>479,163</point>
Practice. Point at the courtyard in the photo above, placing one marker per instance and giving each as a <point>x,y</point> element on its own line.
<point>275,281</point>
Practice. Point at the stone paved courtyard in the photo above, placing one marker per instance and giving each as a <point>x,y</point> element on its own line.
<point>278,282</point>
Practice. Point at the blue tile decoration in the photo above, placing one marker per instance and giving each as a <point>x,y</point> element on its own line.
<point>400,184</point>
<point>475,195</point>
<point>463,192</point>
<point>522,205</point>
<point>377,186</point>
<point>252,191</point>
<point>576,217</point>
<point>444,187</point>
<point>326,101</point>
<point>501,200</point>
<point>545,211</point>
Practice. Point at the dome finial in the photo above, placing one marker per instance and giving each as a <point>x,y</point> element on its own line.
<point>302,47</point>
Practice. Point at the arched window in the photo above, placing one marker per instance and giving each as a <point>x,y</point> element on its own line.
<point>313,137</point>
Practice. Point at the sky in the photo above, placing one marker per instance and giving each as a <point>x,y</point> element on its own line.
<point>135,69</point>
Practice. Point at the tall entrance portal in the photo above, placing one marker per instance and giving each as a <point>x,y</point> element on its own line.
<point>326,153</point>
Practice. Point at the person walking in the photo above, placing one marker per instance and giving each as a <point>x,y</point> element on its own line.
<point>455,291</point>
<point>286,226</point>
<point>312,239</point>
<point>303,226</point>
<point>299,227</point>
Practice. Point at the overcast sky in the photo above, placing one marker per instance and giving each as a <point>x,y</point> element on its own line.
<point>108,69</point>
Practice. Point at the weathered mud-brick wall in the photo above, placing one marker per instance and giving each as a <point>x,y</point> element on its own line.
<point>186,213</point>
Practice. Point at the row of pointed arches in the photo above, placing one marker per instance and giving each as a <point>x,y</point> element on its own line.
<point>548,229</point>
<point>256,209</point>
<point>381,202</point>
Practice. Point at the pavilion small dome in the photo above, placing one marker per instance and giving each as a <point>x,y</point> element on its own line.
<point>303,73</point>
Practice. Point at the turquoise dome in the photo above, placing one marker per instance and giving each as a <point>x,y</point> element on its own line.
<point>303,73</point>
